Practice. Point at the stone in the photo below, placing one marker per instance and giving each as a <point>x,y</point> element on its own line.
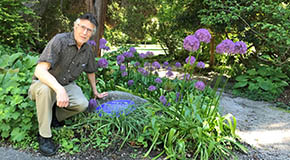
<point>119,95</point>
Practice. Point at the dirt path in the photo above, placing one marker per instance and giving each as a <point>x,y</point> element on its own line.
<point>259,124</point>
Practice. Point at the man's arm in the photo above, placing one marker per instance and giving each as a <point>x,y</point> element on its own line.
<point>92,80</point>
<point>41,72</point>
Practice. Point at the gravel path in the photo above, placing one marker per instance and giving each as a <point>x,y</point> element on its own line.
<point>265,128</point>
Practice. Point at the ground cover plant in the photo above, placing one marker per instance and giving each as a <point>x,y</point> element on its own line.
<point>181,119</point>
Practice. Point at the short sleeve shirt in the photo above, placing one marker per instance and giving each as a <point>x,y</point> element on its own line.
<point>66,60</point>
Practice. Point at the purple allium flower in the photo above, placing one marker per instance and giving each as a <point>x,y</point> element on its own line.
<point>149,54</point>
<point>103,63</point>
<point>156,65</point>
<point>128,54</point>
<point>130,82</point>
<point>200,65</point>
<point>137,64</point>
<point>92,103</point>
<point>151,88</point>
<point>169,73</point>
<point>102,44</point>
<point>169,68</point>
<point>163,100</point>
<point>158,80</point>
<point>92,42</point>
<point>199,85</point>
<point>192,60</point>
<point>142,55</point>
<point>165,64</point>
<point>177,64</point>
<point>122,67</point>
<point>124,74</point>
<point>240,47</point>
<point>191,43</point>
<point>132,50</point>
<point>120,59</point>
<point>203,35</point>
<point>226,46</point>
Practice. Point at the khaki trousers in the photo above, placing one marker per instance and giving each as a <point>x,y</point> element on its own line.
<point>45,97</point>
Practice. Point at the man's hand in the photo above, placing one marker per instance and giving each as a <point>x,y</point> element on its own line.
<point>62,97</point>
<point>100,95</point>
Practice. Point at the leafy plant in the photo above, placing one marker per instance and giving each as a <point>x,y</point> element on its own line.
<point>262,83</point>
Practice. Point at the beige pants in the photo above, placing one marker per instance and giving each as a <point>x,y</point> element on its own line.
<point>45,98</point>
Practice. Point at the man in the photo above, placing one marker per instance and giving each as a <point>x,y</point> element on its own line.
<point>64,58</point>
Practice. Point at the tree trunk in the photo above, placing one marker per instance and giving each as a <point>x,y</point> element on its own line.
<point>99,9</point>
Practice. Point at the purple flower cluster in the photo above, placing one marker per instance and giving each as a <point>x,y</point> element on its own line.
<point>151,88</point>
<point>128,54</point>
<point>130,82</point>
<point>177,64</point>
<point>102,44</point>
<point>191,43</point>
<point>120,59</point>
<point>142,55</point>
<point>165,64</point>
<point>186,77</point>
<point>200,65</point>
<point>158,80</point>
<point>203,35</point>
<point>192,60</point>
<point>122,67</point>
<point>226,46</point>
<point>103,63</point>
<point>178,96</point>
<point>132,50</point>
<point>92,103</point>
<point>92,42</point>
<point>156,65</point>
<point>240,47</point>
<point>199,85</point>
<point>163,100</point>
<point>137,64</point>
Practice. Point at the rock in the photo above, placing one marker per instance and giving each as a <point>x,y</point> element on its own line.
<point>119,95</point>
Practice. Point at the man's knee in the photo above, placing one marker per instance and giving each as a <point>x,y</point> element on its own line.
<point>44,89</point>
<point>83,105</point>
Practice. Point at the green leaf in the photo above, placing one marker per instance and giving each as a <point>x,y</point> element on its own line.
<point>17,135</point>
<point>266,85</point>
<point>252,72</point>
<point>253,86</point>
<point>240,84</point>
<point>242,78</point>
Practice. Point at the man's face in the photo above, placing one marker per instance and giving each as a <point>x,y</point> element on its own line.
<point>83,31</point>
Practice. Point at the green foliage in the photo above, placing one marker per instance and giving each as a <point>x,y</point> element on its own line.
<point>262,83</point>
<point>263,24</point>
<point>17,116</point>
<point>16,23</point>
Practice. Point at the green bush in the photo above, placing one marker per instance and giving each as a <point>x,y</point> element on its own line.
<point>16,24</point>
<point>262,83</point>
<point>17,112</point>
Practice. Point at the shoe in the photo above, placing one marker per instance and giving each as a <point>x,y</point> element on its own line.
<point>46,146</point>
<point>55,123</point>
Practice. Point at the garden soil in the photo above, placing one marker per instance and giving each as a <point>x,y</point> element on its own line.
<point>263,129</point>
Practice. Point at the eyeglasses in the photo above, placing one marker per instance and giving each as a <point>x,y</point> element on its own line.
<point>84,28</point>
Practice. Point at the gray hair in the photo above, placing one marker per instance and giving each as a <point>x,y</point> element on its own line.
<point>76,22</point>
